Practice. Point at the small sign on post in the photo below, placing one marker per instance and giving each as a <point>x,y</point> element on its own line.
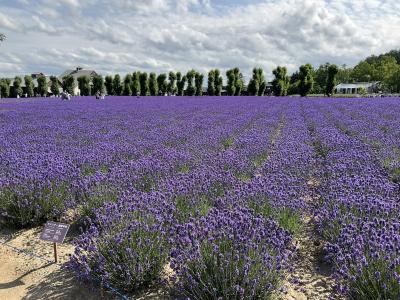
<point>54,232</point>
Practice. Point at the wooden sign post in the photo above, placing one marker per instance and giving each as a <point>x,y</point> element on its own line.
<point>55,252</point>
<point>54,232</point>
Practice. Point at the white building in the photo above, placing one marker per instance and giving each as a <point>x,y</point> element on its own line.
<point>356,88</point>
<point>78,72</point>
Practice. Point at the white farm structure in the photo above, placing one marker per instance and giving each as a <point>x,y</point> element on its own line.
<point>357,88</point>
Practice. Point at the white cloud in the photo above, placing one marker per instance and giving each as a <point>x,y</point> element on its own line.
<point>103,31</point>
<point>12,68</point>
<point>142,6</point>
<point>72,3</point>
<point>40,25</point>
<point>49,12</point>
<point>8,23</point>
<point>159,35</point>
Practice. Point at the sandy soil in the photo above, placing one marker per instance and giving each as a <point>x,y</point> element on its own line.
<point>30,278</point>
<point>26,277</point>
<point>311,278</point>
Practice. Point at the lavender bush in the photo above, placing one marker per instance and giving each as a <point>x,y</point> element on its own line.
<point>358,210</point>
<point>366,259</point>
<point>35,203</point>
<point>229,255</point>
<point>127,244</point>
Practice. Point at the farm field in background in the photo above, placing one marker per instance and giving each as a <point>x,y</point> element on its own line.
<point>213,197</point>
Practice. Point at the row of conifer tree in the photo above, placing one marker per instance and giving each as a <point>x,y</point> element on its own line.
<point>189,84</point>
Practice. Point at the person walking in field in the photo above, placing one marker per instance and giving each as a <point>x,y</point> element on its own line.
<point>65,96</point>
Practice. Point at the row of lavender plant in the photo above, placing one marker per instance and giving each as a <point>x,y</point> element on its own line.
<point>217,246</point>
<point>58,155</point>
<point>279,186</point>
<point>278,189</point>
<point>378,125</point>
<point>143,156</point>
<point>358,213</point>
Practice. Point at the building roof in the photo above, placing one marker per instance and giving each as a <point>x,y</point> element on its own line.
<point>78,72</point>
<point>356,85</point>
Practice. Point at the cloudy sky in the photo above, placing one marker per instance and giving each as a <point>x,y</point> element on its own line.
<point>160,35</point>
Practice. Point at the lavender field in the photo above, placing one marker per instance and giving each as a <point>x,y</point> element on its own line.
<point>211,195</point>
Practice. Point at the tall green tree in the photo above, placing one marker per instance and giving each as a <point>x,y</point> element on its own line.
<point>263,88</point>
<point>320,79</point>
<point>172,89</point>
<point>392,82</point>
<point>235,82</point>
<point>331,80</point>
<point>191,88</point>
<point>117,86</point>
<point>135,83</point>
<point>162,83</point>
<point>218,82</point>
<point>344,75</point>
<point>306,80</point>
<point>54,88</point>
<point>181,82</point>
<point>2,84</point>
<point>294,83</point>
<point>374,59</point>
<point>395,54</point>
<point>153,86</point>
<point>42,86</point>
<point>127,90</point>
<point>17,89</point>
<point>295,77</point>
<point>257,83</point>
<point>29,86</point>
<point>68,84</point>
<point>108,82</point>
<point>384,68</point>
<point>254,84</point>
<point>239,81</point>
<point>144,85</point>
<point>211,83</point>
<point>377,68</point>
<point>363,72</point>
<point>98,84</point>
<point>5,87</point>
<point>231,87</point>
<point>198,80</point>
<point>84,85</point>
<point>280,84</point>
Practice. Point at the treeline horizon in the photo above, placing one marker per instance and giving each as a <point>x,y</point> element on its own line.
<point>384,68</point>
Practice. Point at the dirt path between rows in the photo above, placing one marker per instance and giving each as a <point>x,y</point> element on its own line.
<point>311,278</point>
<point>26,277</point>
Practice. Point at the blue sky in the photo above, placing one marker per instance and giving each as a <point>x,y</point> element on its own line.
<point>162,35</point>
